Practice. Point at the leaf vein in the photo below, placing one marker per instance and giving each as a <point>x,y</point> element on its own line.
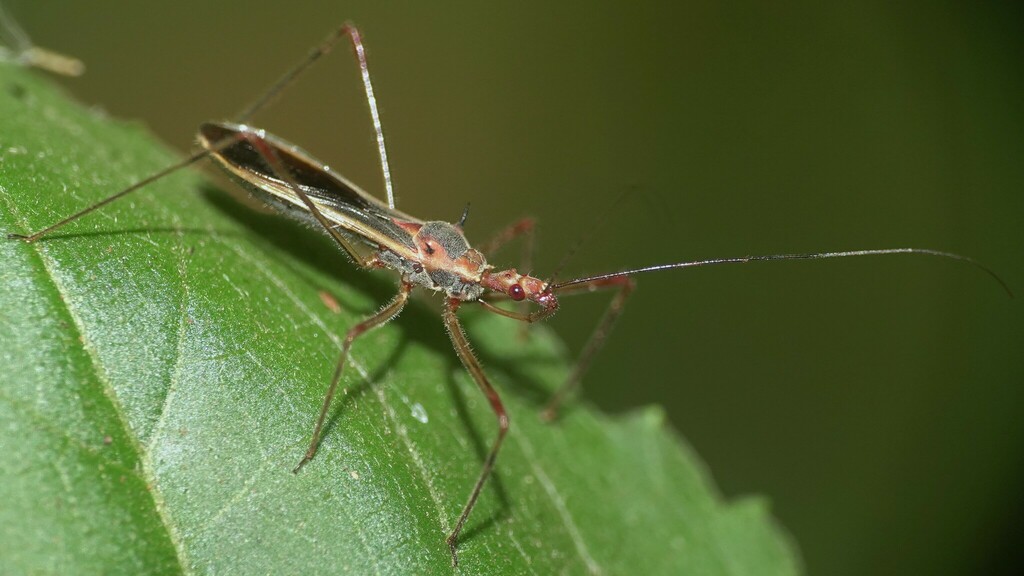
<point>148,472</point>
<point>563,512</point>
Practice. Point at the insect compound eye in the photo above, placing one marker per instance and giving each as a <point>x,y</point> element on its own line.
<point>516,292</point>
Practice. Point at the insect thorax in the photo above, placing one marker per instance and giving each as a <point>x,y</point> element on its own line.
<point>445,262</point>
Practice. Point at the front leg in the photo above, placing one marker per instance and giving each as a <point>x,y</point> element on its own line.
<point>465,352</point>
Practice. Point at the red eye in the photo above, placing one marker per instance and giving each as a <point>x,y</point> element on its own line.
<point>516,292</point>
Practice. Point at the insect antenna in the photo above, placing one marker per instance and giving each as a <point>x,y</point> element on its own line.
<point>808,256</point>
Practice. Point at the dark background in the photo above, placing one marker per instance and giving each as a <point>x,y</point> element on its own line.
<point>877,402</point>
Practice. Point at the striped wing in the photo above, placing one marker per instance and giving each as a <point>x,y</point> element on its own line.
<point>352,210</point>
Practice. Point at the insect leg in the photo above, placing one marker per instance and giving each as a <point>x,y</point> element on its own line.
<point>524,227</point>
<point>217,146</point>
<point>269,154</point>
<point>462,348</point>
<point>529,318</point>
<point>625,286</point>
<point>323,49</point>
<point>383,316</point>
<point>272,158</point>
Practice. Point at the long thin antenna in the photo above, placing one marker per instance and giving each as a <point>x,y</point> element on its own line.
<point>810,256</point>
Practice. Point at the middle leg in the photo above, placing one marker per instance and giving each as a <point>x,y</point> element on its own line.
<point>386,313</point>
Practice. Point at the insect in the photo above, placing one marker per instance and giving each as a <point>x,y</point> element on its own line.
<point>433,255</point>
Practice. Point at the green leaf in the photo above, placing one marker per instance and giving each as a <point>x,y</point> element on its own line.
<point>163,360</point>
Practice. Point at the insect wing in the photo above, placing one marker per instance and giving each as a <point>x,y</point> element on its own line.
<point>340,201</point>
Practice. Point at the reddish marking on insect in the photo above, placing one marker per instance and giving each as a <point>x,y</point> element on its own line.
<point>519,287</point>
<point>410,227</point>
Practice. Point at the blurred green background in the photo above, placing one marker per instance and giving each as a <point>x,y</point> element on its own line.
<point>877,402</point>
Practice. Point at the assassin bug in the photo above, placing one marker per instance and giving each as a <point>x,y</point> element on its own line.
<point>434,255</point>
